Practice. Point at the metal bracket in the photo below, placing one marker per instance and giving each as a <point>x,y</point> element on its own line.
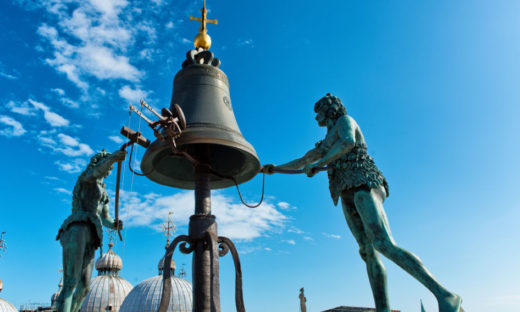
<point>225,245</point>
<point>167,282</point>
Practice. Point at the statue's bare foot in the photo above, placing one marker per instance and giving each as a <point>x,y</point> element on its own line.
<point>450,303</point>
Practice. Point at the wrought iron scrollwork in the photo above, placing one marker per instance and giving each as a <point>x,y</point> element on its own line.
<point>186,249</point>
<point>226,245</point>
<point>167,283</point>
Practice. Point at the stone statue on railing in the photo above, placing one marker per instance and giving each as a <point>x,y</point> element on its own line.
<point>354,177</point>
<point>82,233</point>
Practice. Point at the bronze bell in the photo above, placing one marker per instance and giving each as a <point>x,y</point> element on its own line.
<point>211,136</point>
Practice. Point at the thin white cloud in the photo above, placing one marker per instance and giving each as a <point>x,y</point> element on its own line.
<point>8,76</point>
<point>335,236</point>
<point>92,39</point>
<point>14,128</point>
<point>289,241</point>
<point>308,238</point>
<point>295,230</point>
<point>245,42</point>
<point>116,139</point>
<point>73,147</point>
<point>132,95</point>
<point>58,91</point>
<point>5,74</point>
<point>68,140</point>
<point>52,118</point>
<point>65,100</point>
<point>234,220</point>
<point>63,191</point>
<point>73,166</point>
<point>47,141</point>
<point>283,205</point>
<point>286,206</point>
<point>67,145</point>
<point>22,108</point>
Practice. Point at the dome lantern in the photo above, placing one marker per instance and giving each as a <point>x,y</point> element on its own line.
<point>109,263</point>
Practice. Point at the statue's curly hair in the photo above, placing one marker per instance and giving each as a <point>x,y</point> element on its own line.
<point>97,158</point>
<point>331,106</point>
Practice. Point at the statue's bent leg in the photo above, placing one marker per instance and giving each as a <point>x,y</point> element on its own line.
<point>73,241</point>
<point>375,268</point>
<point>369,205</point>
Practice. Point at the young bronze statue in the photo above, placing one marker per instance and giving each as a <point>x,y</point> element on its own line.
<point>362,188</point>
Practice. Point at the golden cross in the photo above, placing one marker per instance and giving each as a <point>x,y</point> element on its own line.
<point>111,234</point>
<point>203,19</point>
<point>168,228</point>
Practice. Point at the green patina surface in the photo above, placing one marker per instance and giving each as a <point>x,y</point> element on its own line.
<point>82,232</point>
<point>363,189</point>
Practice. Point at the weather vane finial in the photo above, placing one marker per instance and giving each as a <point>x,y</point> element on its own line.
<point>202,39</point>
<point>168,228</point>
<point>3,245</point>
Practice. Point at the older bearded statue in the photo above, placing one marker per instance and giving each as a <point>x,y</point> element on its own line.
<point>82,232</point>
<point>362,188</point>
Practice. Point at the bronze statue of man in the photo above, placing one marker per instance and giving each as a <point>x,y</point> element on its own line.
<point>82,232</point>
<point>355,179</point>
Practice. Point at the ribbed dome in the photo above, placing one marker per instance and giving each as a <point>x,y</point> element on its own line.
<point>6,306</point>
<point>146,296</point>
<point>106,291</point>
<point>109,262</point>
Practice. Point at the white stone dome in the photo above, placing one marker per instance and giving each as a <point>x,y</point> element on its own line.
<point>6,306</point>
<point>107,290</point>
<point>146,296</point>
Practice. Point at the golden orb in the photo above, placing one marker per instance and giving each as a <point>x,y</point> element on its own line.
<point>202,40</point>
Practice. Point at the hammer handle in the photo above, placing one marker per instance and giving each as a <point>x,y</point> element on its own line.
<point>118,184</point>
<point>297,171</point>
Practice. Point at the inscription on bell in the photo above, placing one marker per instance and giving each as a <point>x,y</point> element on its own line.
<point>227,101</point>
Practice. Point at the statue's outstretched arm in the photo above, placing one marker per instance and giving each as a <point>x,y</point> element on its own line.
<point>342,139</point>
<point>310,157</point>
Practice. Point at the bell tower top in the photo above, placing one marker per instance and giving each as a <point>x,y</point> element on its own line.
<point>202,39</point>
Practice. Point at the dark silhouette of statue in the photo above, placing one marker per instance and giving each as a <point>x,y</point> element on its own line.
<point>362,188</point>
<point>303,300</point>
<point>82,232</point>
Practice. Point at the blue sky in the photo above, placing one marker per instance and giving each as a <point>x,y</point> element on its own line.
<point>434,86</point>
